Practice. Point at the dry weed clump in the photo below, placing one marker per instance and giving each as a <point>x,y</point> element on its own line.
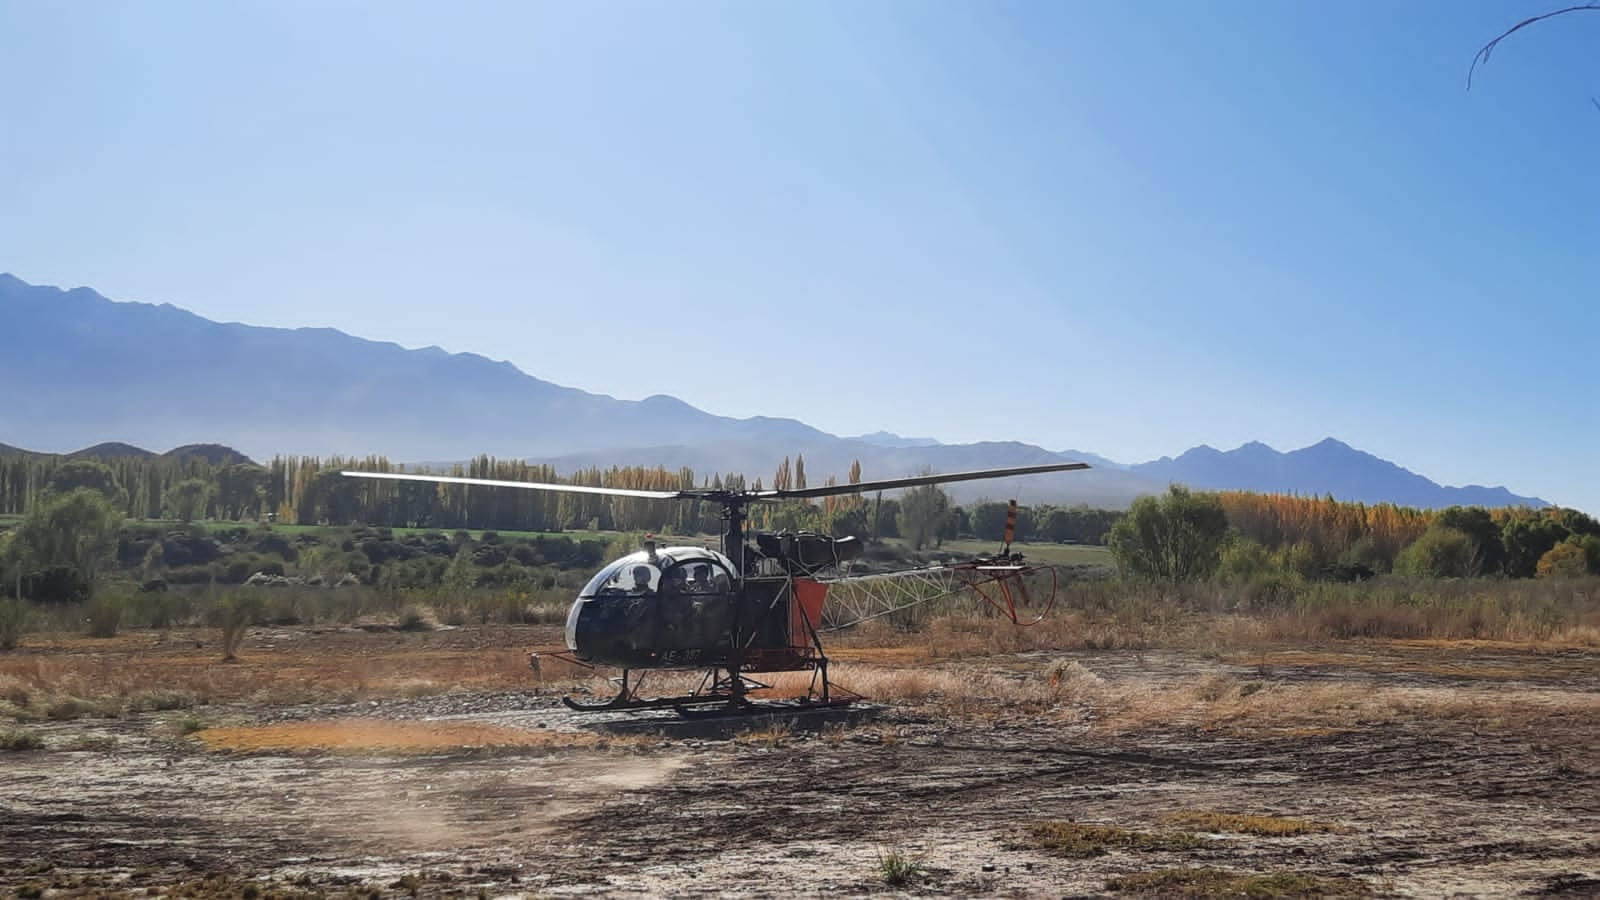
<point>161,699</point>
<point>1081,840</point>
<point>964,690</point>
<point>772,735</point>
<point>417,617</point>
<point>1266,826</point>
<point>1070,691</point>
<point>66,706</point>
<point>1214,702</point>
<point>1206,882</point>
<point>19,739</point>
<point>1245,704</point>
<point>90,743</point>
<point>15,697</point>
<point>378,735</point>
<point>899,869</point>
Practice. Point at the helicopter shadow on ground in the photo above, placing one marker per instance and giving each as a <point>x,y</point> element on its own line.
<point>724,724</point>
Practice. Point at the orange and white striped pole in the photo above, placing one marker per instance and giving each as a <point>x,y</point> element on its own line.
<point>1011,525</point>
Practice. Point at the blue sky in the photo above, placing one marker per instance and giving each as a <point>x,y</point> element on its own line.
<point>1120,228</point>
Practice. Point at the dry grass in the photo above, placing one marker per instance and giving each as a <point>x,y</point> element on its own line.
<point>965,667</point>
<point>1112,615</point>
<point>379,735</point>
<point>1450,659</point>
<point>1078,839</point>
<point>155,670</point>
<point>1266,826</point>
<point>772,735</point>
<point>19,739</point>
<point>1204,882</point>
<point>1070,693</point>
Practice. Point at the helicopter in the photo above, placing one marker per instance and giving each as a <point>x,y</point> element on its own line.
<point>754,607</point>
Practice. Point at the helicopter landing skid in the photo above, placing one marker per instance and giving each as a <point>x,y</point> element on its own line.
<point>723,688</point>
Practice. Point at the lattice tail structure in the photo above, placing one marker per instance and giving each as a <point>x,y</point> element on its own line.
<point>1019,591</point>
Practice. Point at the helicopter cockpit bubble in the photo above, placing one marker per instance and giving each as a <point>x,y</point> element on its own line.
<point>634,603</point>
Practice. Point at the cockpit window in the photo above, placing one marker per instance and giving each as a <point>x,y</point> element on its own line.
<point>677,570</point>
<point>625,576</point>
<point>697,576</point>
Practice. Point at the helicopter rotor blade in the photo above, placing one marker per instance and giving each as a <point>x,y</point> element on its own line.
<point>736,497</point>
<point>917,480</point>
<point>527,485</point>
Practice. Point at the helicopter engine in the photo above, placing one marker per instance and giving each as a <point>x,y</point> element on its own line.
<point>806,552</point>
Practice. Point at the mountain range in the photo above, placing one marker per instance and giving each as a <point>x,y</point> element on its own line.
<point>80,368</point>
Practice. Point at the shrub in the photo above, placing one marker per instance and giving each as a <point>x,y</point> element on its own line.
<point>1565,560</point>
<point>898,869</point>
<point>157,608</point>
<point>1271,591</point>
<point>18,739</point>
<point>417,618</point>
<point>55,584</point>
<point>1441,552</point>
<point>1244,560</point>
<point>190,575</point>
<point>14,616</point>
<point>289,606</point>
<point>236,612</point>
<point>236,571</point>
<point>103,615</point>
<point>1174,537</point>
<point>274,544</point>
<point>189,547</point>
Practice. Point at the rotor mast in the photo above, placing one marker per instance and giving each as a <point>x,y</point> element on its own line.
<point>733,531</point>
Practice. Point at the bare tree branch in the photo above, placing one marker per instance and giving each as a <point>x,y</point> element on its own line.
<point>1483,54</point>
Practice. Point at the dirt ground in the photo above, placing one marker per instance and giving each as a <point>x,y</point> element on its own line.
<point>435,765</point>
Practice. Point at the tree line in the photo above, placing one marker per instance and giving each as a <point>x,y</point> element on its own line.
<point>308,490</point>
<point>74,510</point>
<point>1238,535</point>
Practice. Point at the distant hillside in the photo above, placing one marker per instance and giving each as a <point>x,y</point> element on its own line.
<point>214,454</point>
<point>110,450</point>
<point>1327,467</point>
<point>80,368</point>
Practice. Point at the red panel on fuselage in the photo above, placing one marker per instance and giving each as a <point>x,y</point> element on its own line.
<point>809,596</point>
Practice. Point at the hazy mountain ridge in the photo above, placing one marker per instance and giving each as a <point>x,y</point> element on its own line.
<point>1329,466</point>
<point>890,439</point>
<point>87,367</point>
<point>150,373</point>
